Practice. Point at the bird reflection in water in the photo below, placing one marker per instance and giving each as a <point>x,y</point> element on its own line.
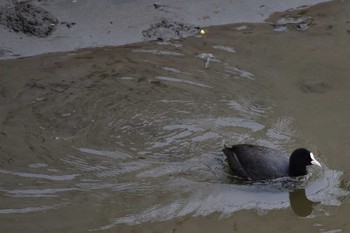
<point>300,204</point>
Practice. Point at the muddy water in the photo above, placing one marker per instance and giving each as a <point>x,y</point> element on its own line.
<point>129,139</point>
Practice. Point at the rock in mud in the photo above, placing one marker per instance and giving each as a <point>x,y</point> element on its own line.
<point>167,29</point>
<point>28,19</point>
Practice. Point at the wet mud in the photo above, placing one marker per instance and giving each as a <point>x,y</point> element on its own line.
<point>129,138</point>
<point>117,22</point>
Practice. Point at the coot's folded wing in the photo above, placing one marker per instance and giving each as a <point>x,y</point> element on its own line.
<point>257,162</point>
<point>235,164</point>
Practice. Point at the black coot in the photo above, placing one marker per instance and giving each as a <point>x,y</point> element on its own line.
<point>255,163</point>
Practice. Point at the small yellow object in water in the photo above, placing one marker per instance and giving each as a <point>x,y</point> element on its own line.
<point>202,31</point>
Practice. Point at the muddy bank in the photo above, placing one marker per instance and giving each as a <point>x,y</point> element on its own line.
<point>36,26</point>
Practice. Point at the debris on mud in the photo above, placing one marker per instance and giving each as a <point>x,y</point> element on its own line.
<point>67,24</point>
<point>5,52</point>
<point>299,20</point>
<point>207,57</point>
<point>167,29</point>
<point>289,23</point>
<point>28,19</point>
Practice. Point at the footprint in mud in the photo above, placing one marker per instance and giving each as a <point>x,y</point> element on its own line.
<point>319,87</point>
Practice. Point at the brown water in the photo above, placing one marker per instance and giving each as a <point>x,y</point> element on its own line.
<point>129,139</point>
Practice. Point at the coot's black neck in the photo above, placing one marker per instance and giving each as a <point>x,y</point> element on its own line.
<point>296,169</point>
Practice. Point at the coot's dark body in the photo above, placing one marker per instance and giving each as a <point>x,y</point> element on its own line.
<point>255,163</point>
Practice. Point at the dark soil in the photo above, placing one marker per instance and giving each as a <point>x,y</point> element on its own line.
<point>167,29</point>
<point>28,19</point>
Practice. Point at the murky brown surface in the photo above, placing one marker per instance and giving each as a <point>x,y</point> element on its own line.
<point>129,139</point>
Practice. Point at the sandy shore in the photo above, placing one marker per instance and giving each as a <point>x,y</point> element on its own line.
<point>80,24</point>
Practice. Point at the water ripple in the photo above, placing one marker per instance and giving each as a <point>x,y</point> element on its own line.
<point>51,192</point>
<point>169,79</point>
<point>158,52</point>
<point>205,198</point>
<point>225,48</point>
<point>27,210</point>
<point>40,176</point>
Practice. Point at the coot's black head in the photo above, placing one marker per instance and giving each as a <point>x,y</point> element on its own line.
<point>298,161</point>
